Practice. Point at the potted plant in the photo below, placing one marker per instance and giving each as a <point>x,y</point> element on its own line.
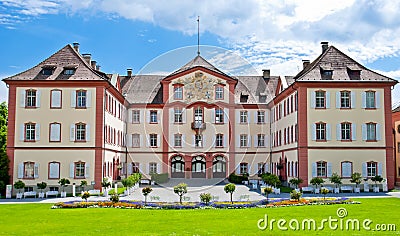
<point>85,196</point>
<point>366,185</point>
<point>105,184</point>
<point>337,180</point>
<point>180,189</point>
<point>295,195</point>
<point>271,180</point>
<point>146,191</point>
<point>127,183</point>
<point>83,185</point>
<point>376,179</point>
<point>64,183</point>
<point>19,185</point>
<point>317,181</point>
<point>295,182</point>
<point>41,186</point>
<point>230,188</point>
<point>356,178</point>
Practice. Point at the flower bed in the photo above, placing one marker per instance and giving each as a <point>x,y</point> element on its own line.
<point>282,202</point>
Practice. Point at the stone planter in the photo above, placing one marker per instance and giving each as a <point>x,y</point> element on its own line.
<point>357,190</point>
<point>317,190</point>
<point>336,190</point>
<point>41,195</point>
<point>63,194</point>
<point>19,195</point>
<point>376,189</point>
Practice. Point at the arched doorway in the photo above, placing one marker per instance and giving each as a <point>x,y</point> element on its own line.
<point>177,167</point>
<point>198,167</point>
<point>219,167</point>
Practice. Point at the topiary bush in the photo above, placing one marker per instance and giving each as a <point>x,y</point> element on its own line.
<point>237,179</point>
<point>114,198</point>
<point>205,198</point>
<point>295,195</point>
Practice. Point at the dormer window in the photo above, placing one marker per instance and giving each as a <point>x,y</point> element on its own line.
<point>326,74</point>
<point>354,73</point>
<point>244,98</point>
<point>69,71</point>
<point>47,71</point>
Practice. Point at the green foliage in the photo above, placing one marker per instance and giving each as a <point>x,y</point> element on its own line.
<point>83,184</point>
<point>230,188</point>
<point>146,191</point>
<point>356,178</point>
<point>376,179</point>
<point>295,182</point>
<point>268,191</point>
<point>317,181</point>
<point>114,198</point>
<point>19,185</point>
<point>271,179</point>
<point>205,198</point>
<point>85,195</point>
<point>105,183</point>
<point>127,182</point>
<point>63,183</point>
<point>324,191</point>
<point>180,189</point>
<point>41,186</point>
<point>160,178</point>
<point>295,195</point>
<point>336,179</point>
<point>237,179</point>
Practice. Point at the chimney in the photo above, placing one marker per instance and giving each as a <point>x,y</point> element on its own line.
<point>305,63</point>
<point>93,64</point>
<point>266,74</point>
<point>87,57</point>
<point>98,67</point>
<point>324,46</point>
<point>76,46</point>
<point>129,72</point>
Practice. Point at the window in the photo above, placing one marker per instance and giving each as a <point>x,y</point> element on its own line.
<point>260,168</point>
<point>372,169</point>
<point>345,131</point>
<point>198,116</point>
<point>371,132</point>
<point>319,99</point>
<point>243,116</point>
<point>347,169</point>
<point>152,168</point>
<point>260,117</point>
<point>135,116</point>
<point>153,140</point>
<point>198,140</point>
<point>219,140</point>
<point>81,99</point>
<point>243,168</point>
<point>47,71</point>
<point>54,170</point>
<point>135,167</point>
<point>178,92</point>
<point>80,132</point>
<point>53,189</point>
<point>153,116</point>
<point>219,93</point>
<point>30,98</point>
<point>30,132</point>
<point>28,189</point>
<point>79,170</point>
<point>219,116</point>
<point>345,99</point>
<point>178,140</point>
<point>370,99</point>
<point>55,132</point>
<point>321,169</point>
<point>55,98</point>
<point>320,131</point>
<point>29,170</point>
<point>243,140</point>
<point>69,71</point>
<point>261,140</point>
<point>178,115</point>
<point>326,74</point>
<point>136,140</point>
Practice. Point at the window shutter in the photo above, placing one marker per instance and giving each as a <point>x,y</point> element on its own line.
<point>172,115</point>
<point>328,132</point>
<point>249,169</point>
<point>328,99</point>
<point>204,140</point>
<point>338,132</point>
<point>363,100</point>
<point>148,140</point>
<point>140,140</point>
<point>255,117</point>
<point>255,141</point>
<point>353,132</point>
<point>158,140</point>
<point>130,116</point>
<point>338,100</point>
<point>22,102</point>
<point>158,168</point>
<point>22,132</point>
<point>378,132</point>
<point>364,169</point>
<point>314,169</point>
<point>130,167</point>
<point>329,169</point>
<point>378,99</point>
<point>38,93</point>
<point>141,116</point>
<point>72,133</point>
<point>267,140</point>
<point>183,140</point>
<point>380,169</point>
<point>130,141</point>
<point>353,99</point>
<point>312,99</point>
<point>226,115</point>
<point>148,116</point>
<point>238,116</point>
<point>212,114</point>
<point>314,132</point>
<point>37,132</point>
<point>364,132</point>
<point>87,132</point>
<point>87,170</point>
<point>249,140</point>
<point>88,98</point>
<point>224,143</point>
<point>237,140</point>
<point>267,114</point>
<point>214,141</point>
<point>238,169</point>
<point>72,170</point>
<point>20,170</point>
<point>73,99</point>
<point>36,170</point>
<point>183,115</point>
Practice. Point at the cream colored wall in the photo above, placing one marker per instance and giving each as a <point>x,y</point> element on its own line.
<point>396,147</point>
<point>116,123</point>
<point>144,160</point>
<point>43,115</point>
<point>334,116</point>
<point>252,160</point>
<point>336,156</point>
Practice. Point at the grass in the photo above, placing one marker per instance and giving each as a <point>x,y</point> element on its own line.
<point>39,219</point>
<point>120,190</point>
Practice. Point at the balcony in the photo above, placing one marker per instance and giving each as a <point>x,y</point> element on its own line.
<point>198,125</point>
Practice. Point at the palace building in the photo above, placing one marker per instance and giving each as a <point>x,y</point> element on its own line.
<point>68,119</point>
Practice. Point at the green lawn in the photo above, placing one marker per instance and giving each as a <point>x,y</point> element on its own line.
<point>39,219</point>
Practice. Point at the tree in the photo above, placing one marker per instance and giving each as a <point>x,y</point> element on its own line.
<point>295,182</point>
<point>85,196</point>
<point>63,183</point>
<point>376,179</point>
<point>105,183</point>
<point>19,185</point>
<point>146,191</point>
<point>270,179</point>
<point>230,188</point>
<point>317,181</point>
<point>356,178</point>
<point>4,161</point>
<point>324,191</point>
<point>336,179</point>
<point>268,191</point>
<point>83,184</point>
<point>180,189</point>
<point>41,186</point>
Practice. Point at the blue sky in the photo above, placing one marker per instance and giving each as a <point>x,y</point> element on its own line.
<point>275,34</point>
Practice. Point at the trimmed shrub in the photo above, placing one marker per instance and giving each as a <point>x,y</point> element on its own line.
<point>159,178</point>
<point>205,198</point>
